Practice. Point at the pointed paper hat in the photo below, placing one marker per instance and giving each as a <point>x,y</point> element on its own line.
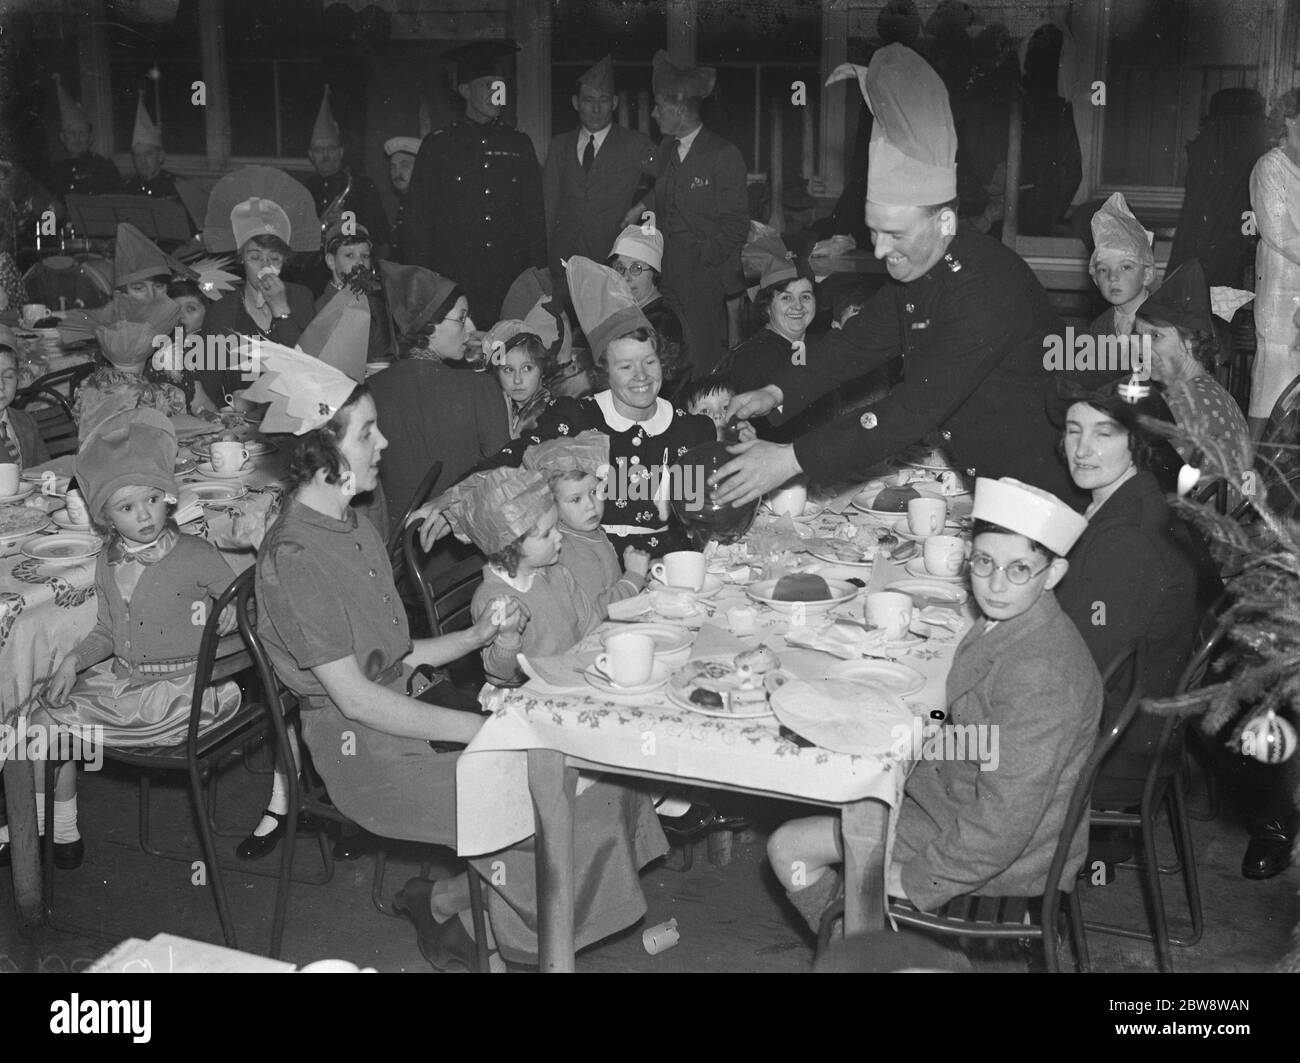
<point>586,452</point>
<point>130,448</point>
<point>636,242</point>
<point>495,508</point>
<point>137,258</point>
<point>669,79</point>
<point>339,334</point>
<point>304,392</point>
<point>600,77</point>
<point>913,151</point>
<point>530,300</point>
<point>415,296</point>
<point>71,116</point>
<point>1030,511</point>
<point>145,131</point>
<point>265,200</point>
<point>325,129</point>
<point>1182,300</point>
<point>1116,231</point>
<point>768,261</point>
<point>603,302</point>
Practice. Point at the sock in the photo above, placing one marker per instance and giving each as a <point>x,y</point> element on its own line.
<point>813,900</point>
<point>279,802</point>
<point>65,821</point>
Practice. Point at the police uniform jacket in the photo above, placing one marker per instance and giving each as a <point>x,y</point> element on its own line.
<point>161,185</point>
<point>86,175</point>
<point>585,209</point>
<point>474,211</point>
<point>970,334</point>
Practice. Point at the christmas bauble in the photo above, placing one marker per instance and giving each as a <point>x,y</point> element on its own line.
<point>1268,738</point>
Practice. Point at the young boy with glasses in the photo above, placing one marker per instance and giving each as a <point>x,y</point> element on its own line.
<point>1022,677</point>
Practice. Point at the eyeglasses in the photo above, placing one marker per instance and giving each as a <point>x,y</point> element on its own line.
<point>1017,572</point>
<point>634,270</point>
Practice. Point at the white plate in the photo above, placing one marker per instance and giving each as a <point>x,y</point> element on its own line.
<point>60,517</point>
<point>863,500</point>
<point>256,447</point>
<point>897,679</point>
<point>658,677</point>
<point>712,584</point>
<point>867,563</point>
<point>24,490</point>
<point>901,529</point>
<point>669,638</point>
<point>916,567</point>
<point>841,592</point>
<point>31,525</point>
<point>755,712</point>
<point>931,588</point>
<point>215,492</point>
<point>811,511</point>
<point>65,546</point>
<point>205,469</point>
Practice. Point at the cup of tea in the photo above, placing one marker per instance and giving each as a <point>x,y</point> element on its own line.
<point>228,457</point>
<point>34,312</point>
<point>926,516</point>
<point>945,555</point>
<point>682,568</point>
<point>789,501</point>
<point>628,659</point>
<point>890,611</point>
<point>10,475</point>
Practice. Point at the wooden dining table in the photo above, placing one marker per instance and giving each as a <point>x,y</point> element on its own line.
<point>522,772</point>
<point>47,607</point>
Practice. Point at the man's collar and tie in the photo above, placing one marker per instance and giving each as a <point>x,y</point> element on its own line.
<point>589,144</point>
<point>682,145</point>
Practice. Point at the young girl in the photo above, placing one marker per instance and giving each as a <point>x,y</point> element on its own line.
<point>522,364</point>
<point>1122,266</point>
<point>510,515</point>
<point>133,675</point>
<point>193,307</point>
<point>573,468</point>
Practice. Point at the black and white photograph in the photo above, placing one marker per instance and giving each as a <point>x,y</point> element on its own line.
<point>650,486</point>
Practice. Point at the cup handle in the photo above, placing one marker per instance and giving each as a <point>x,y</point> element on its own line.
<point>657,571</point>
<point>602,666</point>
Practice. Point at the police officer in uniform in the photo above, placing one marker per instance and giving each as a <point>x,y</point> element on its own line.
<point>966,315</point>
<point>149,179</point>
<point>474,212</point>
<point>401,152</point>
<point>83,173</point>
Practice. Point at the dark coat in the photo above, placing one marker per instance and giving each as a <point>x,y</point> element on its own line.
<point>702,207</point>
<point>971,335</point>
<point>760,360</point>
<point>228,317</point>
<point>161,186</point>
<point>584,210</point>
<point>1031,682</point>
<point>86,175</point>
<point>474,211</point>
<point>1136,572</point>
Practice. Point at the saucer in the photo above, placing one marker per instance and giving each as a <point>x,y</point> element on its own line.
<point>903,531</point>
<point>658,677</point>
<point>60,517</point>
<point>205,468</point>
<point>712,584</point>
<point>670,639</point>
<point>916,567</point>
<point>24,490</point>
<point>934,590</point>
<point>65,546</point>
<point>811,511</point>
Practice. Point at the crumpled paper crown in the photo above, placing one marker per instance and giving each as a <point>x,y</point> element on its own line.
<point>586,452</point>
<point>304,392</point>
<point>126,328</point>
<point>1117,232</point>
<point>495,508</point>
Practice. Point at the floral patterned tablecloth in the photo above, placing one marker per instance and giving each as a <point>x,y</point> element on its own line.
<point>649,735</point>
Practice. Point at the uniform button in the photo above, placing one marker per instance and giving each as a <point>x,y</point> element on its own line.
<point>485,166</point>
<point>911,308</point>
<point>636,460</point>
<point>458,178</point>
<point>372,573</point>
<point>488,244</point>
<point>487,217</point>
<point>971,471</point>
<point>357,545</point>
<point>868,420</point>
<point>388,597</point>
<point>394,621</point>
<point>946,435</point>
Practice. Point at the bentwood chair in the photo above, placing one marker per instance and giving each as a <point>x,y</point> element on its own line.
<point>1029,918</point>
<point>308,794</point>
<point>199,756</point>
<point>54,421</point>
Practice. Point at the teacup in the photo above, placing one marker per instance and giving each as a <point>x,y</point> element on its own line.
<point>926,516</point>
<point>945,555</point>
<point>890,611</point>
<point>790,500</point>
<point>228,457</point>
<point>628,659</point>
<point>331,967</point>
<point>34,312</point>
<point>10,475</point>
<point>682,568</point>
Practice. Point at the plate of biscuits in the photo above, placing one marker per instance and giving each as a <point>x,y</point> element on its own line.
<point>735,687</point>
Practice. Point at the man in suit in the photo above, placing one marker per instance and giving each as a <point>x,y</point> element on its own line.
<point>966,315</point>
<point>474,212</point>
<point>593,173</point>
<point>701,205</point>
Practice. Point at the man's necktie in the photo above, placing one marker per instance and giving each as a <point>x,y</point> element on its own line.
<point>8,449</point>
<point>589,153</point>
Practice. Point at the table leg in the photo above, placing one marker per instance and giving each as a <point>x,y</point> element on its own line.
<point>24,842</point>
<point>551,786</point>
<point>863,826</point>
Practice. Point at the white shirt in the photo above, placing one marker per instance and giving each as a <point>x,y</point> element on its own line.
<point>599,138</point>
<point>684,143</point>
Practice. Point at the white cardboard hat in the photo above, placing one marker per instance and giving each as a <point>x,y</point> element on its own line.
<point>1032,512</point>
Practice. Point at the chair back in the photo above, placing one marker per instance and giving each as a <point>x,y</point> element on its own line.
<point>246,616</point>
<point>448,595</point>
<point>54,420</point>
<point>220,656</point>
<point>418,499</point>
<point>1131,663</point>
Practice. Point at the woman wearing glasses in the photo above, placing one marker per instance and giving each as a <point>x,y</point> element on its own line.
<point>637,257</point>
<point>1134,572</point>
